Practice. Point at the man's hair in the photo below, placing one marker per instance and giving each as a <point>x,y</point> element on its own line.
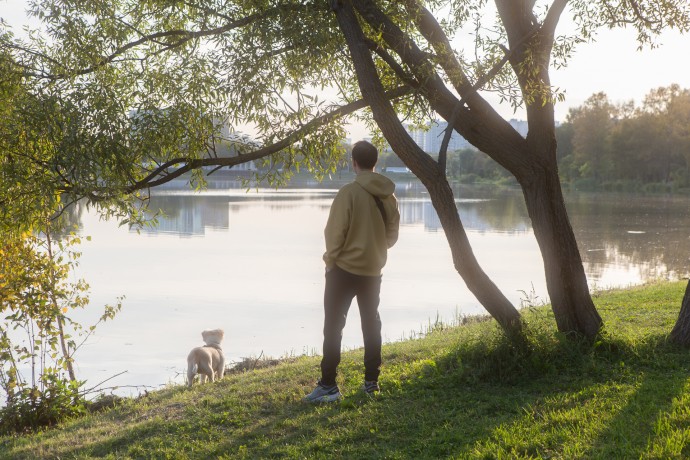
<point>365,154</point>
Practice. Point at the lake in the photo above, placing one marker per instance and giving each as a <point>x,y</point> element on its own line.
<point>250,262</point>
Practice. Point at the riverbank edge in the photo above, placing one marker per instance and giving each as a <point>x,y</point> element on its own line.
<point>459,391</point>
<point>245,179</point>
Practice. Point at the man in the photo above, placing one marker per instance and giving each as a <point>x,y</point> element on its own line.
<point>362,224</point>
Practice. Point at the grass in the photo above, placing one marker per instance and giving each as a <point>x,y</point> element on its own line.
<point>459,392</point>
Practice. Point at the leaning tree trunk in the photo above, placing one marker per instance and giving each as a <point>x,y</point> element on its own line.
<point>566,280</point>
<point>428,171</point>
<point>681,331</point>
<point>467,266</point>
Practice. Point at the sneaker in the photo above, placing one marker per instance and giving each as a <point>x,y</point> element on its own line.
<point>370,387</point>
<point>323,393</point>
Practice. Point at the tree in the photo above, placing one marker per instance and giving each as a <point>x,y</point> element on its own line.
<point>681,331</point>
<point>667,110</point>
<point>182,65</point>
<point>592,126</point>
<point>38,338</point>
<point>643,145</point>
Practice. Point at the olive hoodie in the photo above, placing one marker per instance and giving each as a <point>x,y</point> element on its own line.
<point>356,238</point>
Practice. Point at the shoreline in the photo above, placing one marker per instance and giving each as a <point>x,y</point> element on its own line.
<point>459,392</point>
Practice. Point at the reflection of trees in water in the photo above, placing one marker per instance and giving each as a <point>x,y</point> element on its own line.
<point>638,233</point>
<point>647,235</point>
<point>609,263</point>
<point>479,211</point>
<point>505,214</point>
<point>187,214</point>
<point>193,214</point>
<point>650,233</point>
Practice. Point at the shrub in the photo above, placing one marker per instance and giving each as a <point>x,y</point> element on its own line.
<point>31,408</point>
<point>37,336</point>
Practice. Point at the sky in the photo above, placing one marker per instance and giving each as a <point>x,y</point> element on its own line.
<point>615,66</point>
<point>612,64</point>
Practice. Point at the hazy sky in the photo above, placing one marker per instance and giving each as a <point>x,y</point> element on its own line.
<point>612,64</point>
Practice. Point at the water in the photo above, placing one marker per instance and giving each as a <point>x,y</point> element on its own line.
<point>250,263</point>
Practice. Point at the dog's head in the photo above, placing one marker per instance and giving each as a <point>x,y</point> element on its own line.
<point>213,337</point>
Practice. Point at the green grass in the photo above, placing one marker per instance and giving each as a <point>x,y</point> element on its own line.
<point>459,392</point>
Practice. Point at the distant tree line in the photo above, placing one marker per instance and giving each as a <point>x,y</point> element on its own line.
<point>622,147</point>
<point>607,146</point>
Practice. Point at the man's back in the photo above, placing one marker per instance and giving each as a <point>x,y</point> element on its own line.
<point>357,238</point>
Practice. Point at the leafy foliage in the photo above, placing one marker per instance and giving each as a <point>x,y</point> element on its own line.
<point>38,339</point>
<point>32,408</point>
<point>623,144</point>
<point>107,99</point>
<point>118,97</point>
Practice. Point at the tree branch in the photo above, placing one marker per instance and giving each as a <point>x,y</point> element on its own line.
<point>484,79</point>
<point>421,164</point>
<point>157,176</point>
<point>638,13</point>
<point>548,27</point>
<point>182,36</point>
<point>490,133</point>
<point>433,33</point>
<point>392,63</point>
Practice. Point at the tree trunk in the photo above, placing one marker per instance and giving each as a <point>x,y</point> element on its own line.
<point>477,281</point>
<point>566,281</point>
<point>58,313</point>
<point>681,331</point>
<point>427,170</point>
<point>532,161</point>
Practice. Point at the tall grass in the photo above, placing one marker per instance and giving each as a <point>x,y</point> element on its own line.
<point>456,392</point>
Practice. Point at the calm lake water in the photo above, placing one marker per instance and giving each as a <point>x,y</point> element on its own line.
<point>250,263</point>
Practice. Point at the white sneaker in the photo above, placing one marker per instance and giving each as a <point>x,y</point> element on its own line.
<point>323,393</point>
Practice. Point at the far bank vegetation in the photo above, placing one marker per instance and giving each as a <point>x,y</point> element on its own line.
<point>607,146</point>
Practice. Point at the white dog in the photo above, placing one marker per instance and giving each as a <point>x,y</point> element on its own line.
<point>207,361</point>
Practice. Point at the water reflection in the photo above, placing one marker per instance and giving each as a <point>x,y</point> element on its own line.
<point>623,239</point>
<point>645,236</point>
<point>190,215</point>
<point>251,263</point>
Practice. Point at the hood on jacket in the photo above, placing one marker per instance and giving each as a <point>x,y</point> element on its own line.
<point>375,183</point>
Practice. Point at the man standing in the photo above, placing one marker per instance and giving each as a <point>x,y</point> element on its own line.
<point>362,224</point>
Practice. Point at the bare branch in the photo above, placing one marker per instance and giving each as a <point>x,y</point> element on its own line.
<point>548,27</point>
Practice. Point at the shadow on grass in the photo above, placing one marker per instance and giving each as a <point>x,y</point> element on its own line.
<point>451,405</point>
<point>630,431</point>
<point>447,405</point>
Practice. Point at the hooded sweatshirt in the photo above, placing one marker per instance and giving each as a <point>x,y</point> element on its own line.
<point>357,240</point>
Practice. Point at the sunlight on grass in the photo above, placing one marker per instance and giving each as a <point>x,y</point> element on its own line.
<point>450,392</point>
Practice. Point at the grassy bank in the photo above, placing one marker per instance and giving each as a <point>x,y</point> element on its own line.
<point>460,392</point>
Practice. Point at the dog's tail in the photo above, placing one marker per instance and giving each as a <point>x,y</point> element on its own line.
<point>191,370</point>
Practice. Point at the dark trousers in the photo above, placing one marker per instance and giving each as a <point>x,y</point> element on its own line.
<point>341,288</point>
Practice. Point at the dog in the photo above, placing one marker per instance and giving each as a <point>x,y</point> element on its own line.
<point>207,361</point>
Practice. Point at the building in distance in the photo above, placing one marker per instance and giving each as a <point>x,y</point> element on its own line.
<point>430,137</point>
